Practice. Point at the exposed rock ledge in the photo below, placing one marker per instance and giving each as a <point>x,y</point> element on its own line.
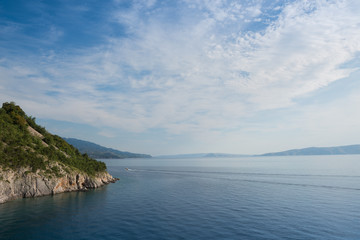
<point>22,183</point>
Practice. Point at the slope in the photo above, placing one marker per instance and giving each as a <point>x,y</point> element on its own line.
<point>339,150</point>
<point>100,152</point>
<point>34,162</point>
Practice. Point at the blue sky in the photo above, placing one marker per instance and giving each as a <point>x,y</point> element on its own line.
<point>186,76</point>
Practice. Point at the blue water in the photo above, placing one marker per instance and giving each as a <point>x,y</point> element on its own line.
<point>313,197</point>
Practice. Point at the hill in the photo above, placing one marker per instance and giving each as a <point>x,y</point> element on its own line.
<point>34,162</point>
<point>339,150</point>
<point>100,152</point>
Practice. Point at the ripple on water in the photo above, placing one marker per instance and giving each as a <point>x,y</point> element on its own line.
<point>196,203</point>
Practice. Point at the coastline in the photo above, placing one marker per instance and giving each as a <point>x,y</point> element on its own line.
<point>22,183</point>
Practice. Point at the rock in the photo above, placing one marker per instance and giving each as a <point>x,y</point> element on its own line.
<point>23,183</point>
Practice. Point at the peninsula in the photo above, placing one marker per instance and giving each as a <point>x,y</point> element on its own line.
<point>34,162</point>
<point>99,152</point>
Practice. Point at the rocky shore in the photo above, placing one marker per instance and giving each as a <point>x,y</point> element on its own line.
<point>34,162</point>
<point>23,183</point>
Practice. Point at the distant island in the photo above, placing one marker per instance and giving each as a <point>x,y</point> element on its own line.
<point>34,162</point>
<point>99,152</point>
<point>339,150</point>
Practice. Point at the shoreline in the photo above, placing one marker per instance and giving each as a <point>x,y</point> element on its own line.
<point>20,183</point>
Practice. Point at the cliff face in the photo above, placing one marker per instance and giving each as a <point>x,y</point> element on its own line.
<point>22,183</point>
<point>34,162</point>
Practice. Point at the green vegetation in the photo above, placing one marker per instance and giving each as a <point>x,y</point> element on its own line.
<point>19,148</point>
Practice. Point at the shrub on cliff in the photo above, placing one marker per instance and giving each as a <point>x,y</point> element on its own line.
<point>19,148</point>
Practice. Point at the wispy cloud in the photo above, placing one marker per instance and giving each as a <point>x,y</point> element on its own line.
<point>189,66</point>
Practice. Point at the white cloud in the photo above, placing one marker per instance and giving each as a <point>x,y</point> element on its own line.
<point>198,73</point>
<point>299,53</point>
<point>54,34</point>
<point>254,11</point>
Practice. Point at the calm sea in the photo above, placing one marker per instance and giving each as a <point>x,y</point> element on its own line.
<point>312,197</point>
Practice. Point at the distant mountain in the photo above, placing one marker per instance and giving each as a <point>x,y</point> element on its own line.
<point>100,152</point>
<point>340,150</point>
<point>203,155</point>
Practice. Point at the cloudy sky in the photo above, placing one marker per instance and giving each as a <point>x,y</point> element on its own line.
<point>186,76</point>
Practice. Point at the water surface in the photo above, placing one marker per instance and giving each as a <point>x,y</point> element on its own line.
<point>307,197</point>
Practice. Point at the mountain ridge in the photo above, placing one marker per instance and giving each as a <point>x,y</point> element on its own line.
<point>337,150</point>
<point>100,152</point>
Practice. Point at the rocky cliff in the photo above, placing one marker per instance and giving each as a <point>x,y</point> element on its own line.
<point>22,183</point>
<point>34,162</point>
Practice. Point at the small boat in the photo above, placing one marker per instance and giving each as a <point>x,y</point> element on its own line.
<point>126,169</point>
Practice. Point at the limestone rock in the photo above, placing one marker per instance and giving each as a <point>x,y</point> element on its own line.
<point>23,183</point>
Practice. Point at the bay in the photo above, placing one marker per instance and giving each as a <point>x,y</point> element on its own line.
<point>298,197</point>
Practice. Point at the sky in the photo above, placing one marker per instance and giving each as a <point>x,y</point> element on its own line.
<point>186,76</point>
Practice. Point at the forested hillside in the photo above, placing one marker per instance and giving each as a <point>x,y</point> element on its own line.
<point>23,143</point>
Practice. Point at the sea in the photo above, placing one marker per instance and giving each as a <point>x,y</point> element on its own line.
<point>297,197</point>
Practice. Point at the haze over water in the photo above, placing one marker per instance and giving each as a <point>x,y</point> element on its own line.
<point>304,197</point>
